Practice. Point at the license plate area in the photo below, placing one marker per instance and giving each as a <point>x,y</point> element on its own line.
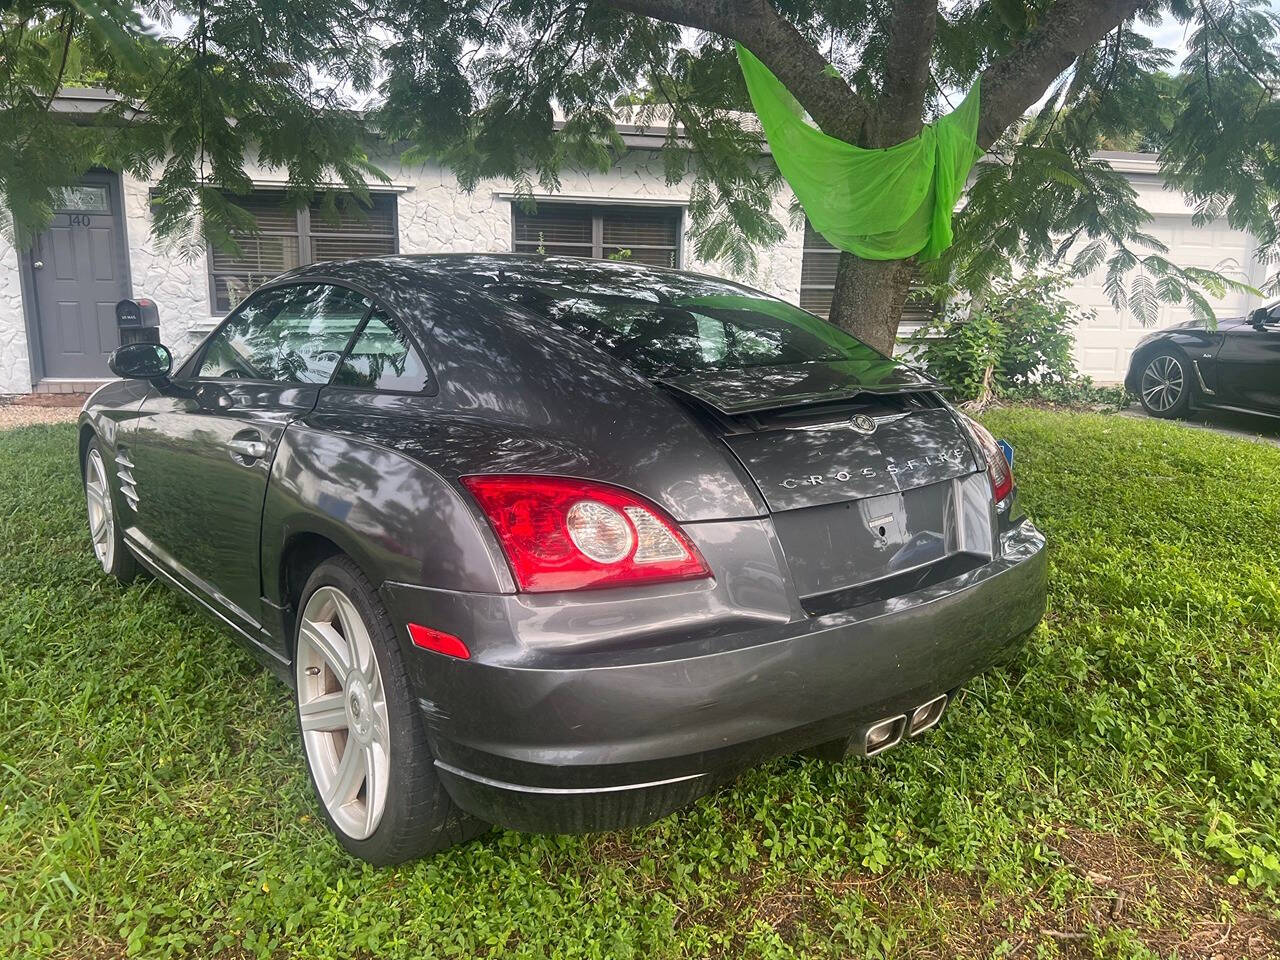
<point>836,546</point>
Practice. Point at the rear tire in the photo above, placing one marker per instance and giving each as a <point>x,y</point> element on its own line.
<point>1164,387</point>
<point>365,745</point>
<point>104,530</point>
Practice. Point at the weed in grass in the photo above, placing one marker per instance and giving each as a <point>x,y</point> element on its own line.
<point>153,801</point>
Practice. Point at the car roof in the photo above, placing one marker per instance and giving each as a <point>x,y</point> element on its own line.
<point>457,270</point>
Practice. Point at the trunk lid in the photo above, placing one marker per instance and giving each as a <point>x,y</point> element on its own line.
<point>876,488</point>
<point>836,461</point>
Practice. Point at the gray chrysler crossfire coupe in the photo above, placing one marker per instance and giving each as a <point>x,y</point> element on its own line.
<point>559,544</point>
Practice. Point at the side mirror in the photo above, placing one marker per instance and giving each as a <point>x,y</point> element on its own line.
<point>141,361</point>
<point>1260,317</point>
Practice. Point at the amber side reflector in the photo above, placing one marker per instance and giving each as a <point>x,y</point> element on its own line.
<point>430,639</point>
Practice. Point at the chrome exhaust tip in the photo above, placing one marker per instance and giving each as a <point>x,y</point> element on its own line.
<point>882,735</point>
<point>926,716</point>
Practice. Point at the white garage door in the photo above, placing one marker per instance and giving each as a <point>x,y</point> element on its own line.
<point>1103,344</point>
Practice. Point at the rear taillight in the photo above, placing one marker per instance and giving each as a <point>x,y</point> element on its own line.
<point>998,469</point>
<point>564,534</point>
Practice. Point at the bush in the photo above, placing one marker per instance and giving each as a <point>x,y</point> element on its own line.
<point>1017,339</point>
<point>1080,392</point>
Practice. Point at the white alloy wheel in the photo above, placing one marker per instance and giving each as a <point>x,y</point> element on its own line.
<point>102,524</point>
<point>342,709</point>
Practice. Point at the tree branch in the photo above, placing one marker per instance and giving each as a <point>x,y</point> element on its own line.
<point>802,68</point>
<point>1235,51</point>
<point>1017,80</point>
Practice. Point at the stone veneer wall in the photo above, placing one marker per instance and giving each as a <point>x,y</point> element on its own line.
<point>435,216</point>
<point>175,277</point>
<point>15,363</point>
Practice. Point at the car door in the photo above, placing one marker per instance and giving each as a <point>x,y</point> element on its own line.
<point>1249,366</point>
<point>203,447</point>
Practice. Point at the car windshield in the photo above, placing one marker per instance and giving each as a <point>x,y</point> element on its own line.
<point>694,334</point>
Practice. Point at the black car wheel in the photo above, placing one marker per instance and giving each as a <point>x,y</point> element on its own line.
<point>1164,389</point>
<point>104,531</point>
<point>363,738</point>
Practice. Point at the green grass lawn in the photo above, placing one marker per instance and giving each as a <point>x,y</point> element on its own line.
<point>1113,792</point>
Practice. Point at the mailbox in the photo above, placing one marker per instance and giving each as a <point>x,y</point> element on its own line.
<point>138,321</point>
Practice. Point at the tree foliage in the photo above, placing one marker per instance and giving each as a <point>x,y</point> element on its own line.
<point>202,89</point>
<point>524,89</point>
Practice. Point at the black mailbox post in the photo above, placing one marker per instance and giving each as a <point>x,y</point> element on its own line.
<point>138,321</point>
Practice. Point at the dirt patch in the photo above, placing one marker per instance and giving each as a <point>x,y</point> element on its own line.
<point>1122,889</point>
<point>1198,913</point>
<point>28,409</point>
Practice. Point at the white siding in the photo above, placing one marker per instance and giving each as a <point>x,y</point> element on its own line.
<point>1104,344</point>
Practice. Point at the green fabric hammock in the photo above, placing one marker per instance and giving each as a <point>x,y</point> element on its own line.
<point>878,204</point>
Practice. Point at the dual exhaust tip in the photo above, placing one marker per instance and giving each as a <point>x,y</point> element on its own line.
<point>891,731</point>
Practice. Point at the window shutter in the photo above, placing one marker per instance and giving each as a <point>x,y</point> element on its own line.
<point>817,272</point>
<point>273,249</point>
<point>286,237</point>
<point>554,229</point>
<point>648,234</point>
<point>348,228</point>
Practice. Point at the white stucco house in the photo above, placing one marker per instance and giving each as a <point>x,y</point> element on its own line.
<point>57,299</point>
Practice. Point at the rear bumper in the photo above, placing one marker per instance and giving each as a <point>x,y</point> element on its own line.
<point>578,742</point>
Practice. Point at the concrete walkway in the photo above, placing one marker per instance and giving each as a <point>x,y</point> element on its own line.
<point>1243,425</point>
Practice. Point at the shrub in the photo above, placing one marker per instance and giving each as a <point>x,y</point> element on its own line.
<point>1076,393</point>
<point>1016,338</point>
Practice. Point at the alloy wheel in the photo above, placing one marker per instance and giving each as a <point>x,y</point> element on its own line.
<point>1162,383</point>
<point>102,524</point>
<point>342,709</point>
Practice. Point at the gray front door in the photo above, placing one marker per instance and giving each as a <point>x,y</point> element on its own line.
<point>80,270</point>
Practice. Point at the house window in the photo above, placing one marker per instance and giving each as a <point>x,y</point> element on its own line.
<point>637,234</point>
<point>289,236</point>
<point>818,282</point>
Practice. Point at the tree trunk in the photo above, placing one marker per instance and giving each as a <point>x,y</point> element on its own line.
<point>869,298</point>
<point>870,294</point>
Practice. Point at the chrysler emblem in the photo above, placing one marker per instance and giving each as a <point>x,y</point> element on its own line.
<point>862,423</point>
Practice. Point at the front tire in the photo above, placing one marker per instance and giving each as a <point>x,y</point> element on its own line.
<point>363,738</point>
<point>1164,388</point>
<point>104,530</point>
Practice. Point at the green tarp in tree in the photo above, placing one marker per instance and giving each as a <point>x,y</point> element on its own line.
<point>878,204</point>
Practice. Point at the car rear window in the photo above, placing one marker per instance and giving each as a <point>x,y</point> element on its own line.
<point>693,334</point>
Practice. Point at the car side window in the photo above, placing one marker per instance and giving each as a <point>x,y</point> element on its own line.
<point>286,335</point>
<point>383,358</point>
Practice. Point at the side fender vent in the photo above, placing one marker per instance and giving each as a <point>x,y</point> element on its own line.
<point>124,473</point>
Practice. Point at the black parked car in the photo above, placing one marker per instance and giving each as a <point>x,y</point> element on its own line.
<point>559,544</point>
<point>1190,367</point>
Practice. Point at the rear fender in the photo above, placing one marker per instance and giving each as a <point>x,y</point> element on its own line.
<point>395,517</point>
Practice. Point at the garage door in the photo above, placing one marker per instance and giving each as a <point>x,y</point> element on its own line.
<point>1103,344</point>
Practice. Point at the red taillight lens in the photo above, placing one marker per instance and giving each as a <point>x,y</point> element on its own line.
<point>565,534</point>
<point>998,469</point>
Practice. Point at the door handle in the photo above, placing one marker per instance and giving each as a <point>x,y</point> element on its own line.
<point>38,265</point>
<point>249,449</point>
